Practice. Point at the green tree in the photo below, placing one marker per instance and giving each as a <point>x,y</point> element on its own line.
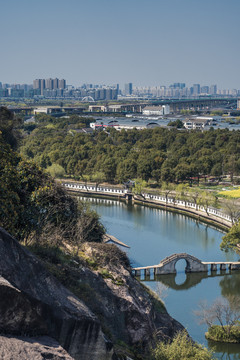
<point>98,177</point>
<point>206,199</point>
<point>168,189</point>
<point>139,184</point>
<point>231,208</point>
<point>56,171</point>
<point>9,127</point>
<point>231,239</point>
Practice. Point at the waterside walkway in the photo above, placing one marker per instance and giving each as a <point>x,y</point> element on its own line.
<point>191,209</point>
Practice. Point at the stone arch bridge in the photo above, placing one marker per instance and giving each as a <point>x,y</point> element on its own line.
<point>193,264</point>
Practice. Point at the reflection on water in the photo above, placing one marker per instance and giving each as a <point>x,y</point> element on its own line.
<point>192,279</point>
<point>153,234</point>
<point>225,351</point>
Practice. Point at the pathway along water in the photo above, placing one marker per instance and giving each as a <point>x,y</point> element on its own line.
<point>153,234</point>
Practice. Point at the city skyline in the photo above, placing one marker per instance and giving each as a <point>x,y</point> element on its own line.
<point>154,42</point>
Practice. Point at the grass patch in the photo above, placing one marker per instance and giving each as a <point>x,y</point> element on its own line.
<point>230,193</point>
<point>107,275</point>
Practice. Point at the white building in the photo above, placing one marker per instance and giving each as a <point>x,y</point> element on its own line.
<point>156,110</point>
<point>195,124</point>
<point>47,109</point>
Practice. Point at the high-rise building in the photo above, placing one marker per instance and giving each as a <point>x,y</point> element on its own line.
<point>178,85</point>
<point>49,83</point>
<point>55,83</point>
<point>213,90</point>
<point>62,84</point>
<point>196,89</point>
<point>42,85</point>
<point>36,84</point>
<point>128,89</point>
<point>205,90</point>
<point>39,84</point>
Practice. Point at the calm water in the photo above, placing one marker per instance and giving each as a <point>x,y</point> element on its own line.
<point>154,234</point>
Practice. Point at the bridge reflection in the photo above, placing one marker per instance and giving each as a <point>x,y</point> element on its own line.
<point>191,280</point>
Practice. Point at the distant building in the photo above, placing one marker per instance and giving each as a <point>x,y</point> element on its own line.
<point>238,104</point>
<point>39,84</point>
<point>199,123</point>
<point>36,84</point>
<point>156,110</point>
<point>47,110</point>
<point>205,90</point>
<point>97,108</point>
<point>55,83</point>
<point>196,89</point>
<point>62,84</point>
<point>128,89</point>
<point>213,90</point>
<point>49,84</point>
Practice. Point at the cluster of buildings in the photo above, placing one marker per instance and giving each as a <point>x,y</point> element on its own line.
<point>179,90</point>
<point>144,122</point>
<point>58,88</point>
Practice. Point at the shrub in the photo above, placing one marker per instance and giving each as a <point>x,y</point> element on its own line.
<point>219,333</point>
<point>181,348</point>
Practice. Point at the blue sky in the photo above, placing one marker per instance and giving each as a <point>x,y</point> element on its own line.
<point>147,42</point>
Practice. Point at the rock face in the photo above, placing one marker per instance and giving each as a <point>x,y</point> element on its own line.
<point>129,311</point>
<point>22,348</point>
<point>33,302</point>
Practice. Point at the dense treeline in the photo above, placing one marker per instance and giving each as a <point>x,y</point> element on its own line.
<point>33,207</point>
<point>115,156</point>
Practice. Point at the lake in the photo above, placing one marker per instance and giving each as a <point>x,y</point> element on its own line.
<point>153,234</point>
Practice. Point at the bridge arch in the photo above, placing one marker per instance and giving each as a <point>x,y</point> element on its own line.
<point>168,265</point>
<point>179,263</point>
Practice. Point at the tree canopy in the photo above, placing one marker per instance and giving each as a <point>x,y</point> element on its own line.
<point>159,154</point>
<point>32,205</point>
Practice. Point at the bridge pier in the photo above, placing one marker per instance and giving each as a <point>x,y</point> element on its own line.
<point>235,267</point>
<point>222,267</point>
<point>138,273</point>
<point>213,267</point>
<point>147,272</point>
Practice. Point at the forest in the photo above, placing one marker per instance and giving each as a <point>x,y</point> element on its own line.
<point>158,155</point>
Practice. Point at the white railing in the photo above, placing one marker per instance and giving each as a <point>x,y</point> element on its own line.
<point>157,198</point>
<point>186,204</point>
<point>104,189</point>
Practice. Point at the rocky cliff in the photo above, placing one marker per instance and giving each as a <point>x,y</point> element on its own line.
<point>33,302</point>
<point>110,304</point>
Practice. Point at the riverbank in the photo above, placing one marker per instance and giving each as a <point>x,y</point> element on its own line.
<point>212,216</point>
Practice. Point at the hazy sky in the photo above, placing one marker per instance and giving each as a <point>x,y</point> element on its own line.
<point>147,42</point>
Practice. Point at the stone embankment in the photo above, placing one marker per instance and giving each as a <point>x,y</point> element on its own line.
<point>209,214</point>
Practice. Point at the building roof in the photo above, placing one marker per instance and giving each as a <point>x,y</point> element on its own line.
<point>153,108</point>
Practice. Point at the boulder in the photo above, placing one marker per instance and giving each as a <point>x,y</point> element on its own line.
<point>39,348</point>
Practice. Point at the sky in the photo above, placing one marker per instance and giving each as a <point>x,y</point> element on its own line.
<point>146,42</point>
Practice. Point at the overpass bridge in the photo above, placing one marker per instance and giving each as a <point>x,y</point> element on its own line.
<point>204,103</point>
<point>193,264</point>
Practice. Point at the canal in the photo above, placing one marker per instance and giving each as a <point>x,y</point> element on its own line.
<point>153,234</point>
